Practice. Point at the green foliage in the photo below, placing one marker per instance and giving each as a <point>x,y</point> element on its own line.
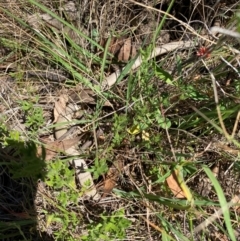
<point>190,92</point>
<point>8,137</point>
<point>163,75</point>
<point>26,163</point>
<point>109,228</point>
<point>33,115</point>
<point>59,175</point>
<point>119,128</point>
<point>148,115</point>
<point>61,180</point>
<point>100,167</point>
<point>222,201</point>
<point>68,221</point>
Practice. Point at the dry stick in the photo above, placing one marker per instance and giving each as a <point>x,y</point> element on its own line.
<point>169,140</point>
<point>235,125</point>
<point>217,101</point>
<point>216,215</point>
<point>152,224</point>
<point>165,48</point>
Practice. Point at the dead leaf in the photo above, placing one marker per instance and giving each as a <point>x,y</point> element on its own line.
<point>174,186</point>
<point>51,149</point>
<point>112,176</point>
<point>236,203</point>
<point>215,170</point>
<point>60,107</point>
<point>226,148</point>
<point>121,48</point>
<point>80,95</point>
<point>126,51</point>
<point>115,45</point>
<point>109,184</point>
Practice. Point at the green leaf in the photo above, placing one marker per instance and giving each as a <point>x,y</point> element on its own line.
<point>163,122</point>
<point>163,75</point>
<point>165,236</point>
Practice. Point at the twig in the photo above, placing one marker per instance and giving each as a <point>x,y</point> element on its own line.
<point>235,125</point>
<point>217,101</point>
<point>216,215</point>
<point>165,48</point>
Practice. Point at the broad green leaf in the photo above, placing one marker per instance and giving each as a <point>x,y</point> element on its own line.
<point>163,75</point>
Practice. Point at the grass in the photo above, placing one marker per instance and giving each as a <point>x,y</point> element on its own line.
<point>176,115</point>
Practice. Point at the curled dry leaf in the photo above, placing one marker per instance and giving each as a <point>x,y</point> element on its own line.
<point>80,95</point>
<point>69,9</point>
<point>174,186</point>
<point>112,176</point>
<point>38,20</point>
<point>51,149</point>
<point>60,107</point>
<point>127,51</point>
<point>226,148</point>
<point>121,48</point>
<point>178,186</point>
<point>115,45</point>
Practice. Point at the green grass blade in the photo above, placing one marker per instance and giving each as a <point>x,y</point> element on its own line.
<point>45,9</point>
<point>222,201</point>
<point>104,60</point>
<point>163,20</point>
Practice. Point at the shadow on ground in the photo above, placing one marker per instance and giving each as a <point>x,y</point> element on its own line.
<point>20,171</point>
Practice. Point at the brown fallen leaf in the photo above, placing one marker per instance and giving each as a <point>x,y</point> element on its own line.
<point>60,107</point>
<point>51,149</point>
<point>121,48</point>
<point>115,45</point>
<point>88,96</point>
<point>236,203</point>
<point>112,176</point>
<point>109,184</point>
<point>80,95</point>
<point>174,186</point>
<point>127,51</point>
